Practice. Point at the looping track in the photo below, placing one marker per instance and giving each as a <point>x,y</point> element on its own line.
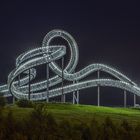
<point>49,54</point>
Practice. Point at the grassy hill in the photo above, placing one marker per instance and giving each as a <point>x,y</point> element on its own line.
<point>69,122</point>
<point>82,113</point>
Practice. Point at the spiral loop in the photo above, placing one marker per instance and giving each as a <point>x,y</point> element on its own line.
<point>49,54</point>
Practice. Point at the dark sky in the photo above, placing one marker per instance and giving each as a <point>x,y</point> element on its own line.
<point>106,32</point>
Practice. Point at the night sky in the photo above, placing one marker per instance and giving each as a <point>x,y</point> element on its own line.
<point>106,32</point>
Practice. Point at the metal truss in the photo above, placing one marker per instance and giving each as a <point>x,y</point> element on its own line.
<point>49,54</point>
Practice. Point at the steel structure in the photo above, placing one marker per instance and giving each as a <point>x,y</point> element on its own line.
<point>48,54</point>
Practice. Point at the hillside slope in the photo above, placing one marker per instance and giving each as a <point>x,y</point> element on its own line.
<point>82,113</point>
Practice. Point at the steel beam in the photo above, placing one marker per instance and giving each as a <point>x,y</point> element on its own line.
<point>19,80</point>
<point>98,89</point>
<point>125,98</point>
<point>29,84</point>
<point>47,77</point>
<point>135,100</point>
<point>73,95</point>
<point>13,98</point>
<point>78,97</point>
<point>63,98</point>
<point>34,58</point>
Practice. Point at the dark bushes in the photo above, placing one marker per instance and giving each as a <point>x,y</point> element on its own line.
<point>2,101</point>
<point>41,125</point>
<point>24,103</point>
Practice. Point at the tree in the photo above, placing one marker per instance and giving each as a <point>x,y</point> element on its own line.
<point>41,124</point>
<point>125,131</point>
<point>24,103</point>
<point>108,130</point>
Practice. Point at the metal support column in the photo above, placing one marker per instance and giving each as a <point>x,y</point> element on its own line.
<point>19,80</point>
<point>77,96</point>
<point>98,89</point>
<point>63,98</point>
<point>73,98</point>
<point>13,99</point>
<point>125,98</point>
<point>73,95</point>
<point>47,77</point>
<point>98,95</point>
<point>29,84</point>
<point>135,100</point>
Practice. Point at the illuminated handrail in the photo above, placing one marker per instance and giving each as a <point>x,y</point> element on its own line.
<point>49,54</point>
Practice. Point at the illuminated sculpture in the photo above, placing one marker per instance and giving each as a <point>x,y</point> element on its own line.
<point>48,54</point>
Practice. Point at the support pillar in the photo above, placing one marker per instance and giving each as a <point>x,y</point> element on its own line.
<point>47,77</point>
<point>98,89</point>
<point>63,98</point>
<point>98,96</point>
<point>75,97</point>
<point>135,100</point>
<point>78,97</point>
<point>73,94</point>
<point>29,84</point>
<point>125,98</point>
<point>13,99</point>
<point>19,80</point>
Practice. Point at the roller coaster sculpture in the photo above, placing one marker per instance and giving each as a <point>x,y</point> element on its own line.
<point>48,54</point>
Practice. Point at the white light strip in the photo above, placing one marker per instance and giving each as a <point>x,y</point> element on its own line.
<point>36,57</point>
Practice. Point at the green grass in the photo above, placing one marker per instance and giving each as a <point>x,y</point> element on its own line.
<point>82,113</point>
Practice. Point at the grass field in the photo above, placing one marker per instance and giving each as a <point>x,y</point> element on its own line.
<point>82,113</point>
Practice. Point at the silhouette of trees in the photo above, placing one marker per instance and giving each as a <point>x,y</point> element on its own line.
<point>24,103</point>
